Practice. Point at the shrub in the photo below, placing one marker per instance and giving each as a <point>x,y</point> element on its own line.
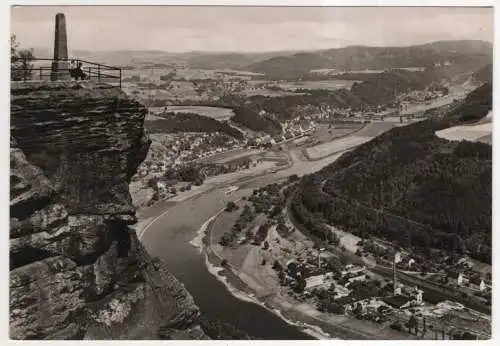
<point>396,326</point>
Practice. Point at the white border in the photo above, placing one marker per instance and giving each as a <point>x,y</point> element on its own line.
<point>419,3</point>
<point>4,147</point>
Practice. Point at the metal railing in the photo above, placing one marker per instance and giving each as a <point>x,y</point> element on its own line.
<point>39,70</point>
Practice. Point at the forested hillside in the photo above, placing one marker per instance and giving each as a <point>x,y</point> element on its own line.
<point>411,187</point>
<point>484,74</point>
<point>377,90</point>
<point>172,122</point>
<point>468,55</point>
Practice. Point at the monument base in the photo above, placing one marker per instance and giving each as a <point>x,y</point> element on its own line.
<point>60,71</point>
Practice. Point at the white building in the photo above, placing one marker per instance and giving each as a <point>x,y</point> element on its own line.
<point>352,269</point>
<point>319,281</point>
<point>361,277</point>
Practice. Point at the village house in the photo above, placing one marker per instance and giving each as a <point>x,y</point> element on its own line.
<point>354,278</point>
<point>414,293</point>
<point>478,283</point>
<point>397,301</point>
<point>456,277</point>
<point>352,269</point>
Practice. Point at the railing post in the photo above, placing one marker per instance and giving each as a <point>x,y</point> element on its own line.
<point>41,73</point>
<point>99,73</point>
<point>89,72</point>
<point>120,78</point>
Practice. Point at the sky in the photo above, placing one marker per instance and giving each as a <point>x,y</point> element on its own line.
<point>247,29</point>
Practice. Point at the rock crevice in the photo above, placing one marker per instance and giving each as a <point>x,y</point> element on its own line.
<point>77,269</point>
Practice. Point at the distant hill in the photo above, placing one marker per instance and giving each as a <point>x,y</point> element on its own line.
<point>376,90</point>
<point>235,61</point>
<point>196,60</point>
<point>469,55</point>
<point>411,187</point>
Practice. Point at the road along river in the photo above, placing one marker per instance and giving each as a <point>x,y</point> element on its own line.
<point>169,229</point>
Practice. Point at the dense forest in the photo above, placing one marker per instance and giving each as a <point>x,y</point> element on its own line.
<point>411,187</point>
<point>190,122</point>
<point>380,89</point>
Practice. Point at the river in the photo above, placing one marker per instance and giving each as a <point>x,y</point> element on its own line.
<point>169,237</point>
<point>176,224</point>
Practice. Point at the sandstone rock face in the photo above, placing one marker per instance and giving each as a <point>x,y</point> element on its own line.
<point>77,270</point>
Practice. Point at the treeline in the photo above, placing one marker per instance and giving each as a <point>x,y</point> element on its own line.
<point>464,55</point>
<point>197,172</point>
<point>410,187</point>
<point>190,122</point>
<point>218,330</point>
<point>476,105</point>
<point>381,89</point>
<point>250,118</point>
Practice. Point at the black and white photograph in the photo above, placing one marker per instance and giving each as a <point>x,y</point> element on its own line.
<point>188,172</point>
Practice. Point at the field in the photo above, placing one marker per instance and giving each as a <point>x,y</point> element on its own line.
<point>329,148</point>
<point>269,93</point>
<point>341,144</point>
<point>486,139</point>
<point>376,128</point>
<point>258,87</point>
<point>326,134</point>
<point>230,155</point>
<point>322,84</point>
<point>179,90</point>
<point>218,113</point>
<point>473,133</point>
<point>481,131</point>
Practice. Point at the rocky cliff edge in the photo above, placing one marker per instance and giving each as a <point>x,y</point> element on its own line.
<point>77,270</point>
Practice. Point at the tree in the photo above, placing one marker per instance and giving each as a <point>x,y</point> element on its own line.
<point>20,61</point>
<point>301,284</point>
<point>396,326</point>
<point>358,309</point>
<point>230,206</point>
<point>292,269</point>
<point>412,324</point>
<point>277,266</point>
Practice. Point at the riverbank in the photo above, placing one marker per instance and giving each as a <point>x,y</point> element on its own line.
<point>301,315</point>
<point>239,289</point>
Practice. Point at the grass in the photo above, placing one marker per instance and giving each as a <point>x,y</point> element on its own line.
<point>217,113</point>
<point>329,148</point>
<point>468,132</point>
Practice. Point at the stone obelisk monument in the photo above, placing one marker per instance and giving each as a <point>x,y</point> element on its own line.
<point>60,66</point>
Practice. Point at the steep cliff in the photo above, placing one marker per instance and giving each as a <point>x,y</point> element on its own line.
<point>77,270</point>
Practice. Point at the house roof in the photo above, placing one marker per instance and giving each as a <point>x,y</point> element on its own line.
<point>397,300</point>
<point>346,300</point>
<point>453,274</point>
<point>476,280</point>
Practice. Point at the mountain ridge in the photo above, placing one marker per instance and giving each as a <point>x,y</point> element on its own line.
<point>251,60</point>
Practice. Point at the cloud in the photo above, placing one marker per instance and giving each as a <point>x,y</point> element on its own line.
<point>248,29</point>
